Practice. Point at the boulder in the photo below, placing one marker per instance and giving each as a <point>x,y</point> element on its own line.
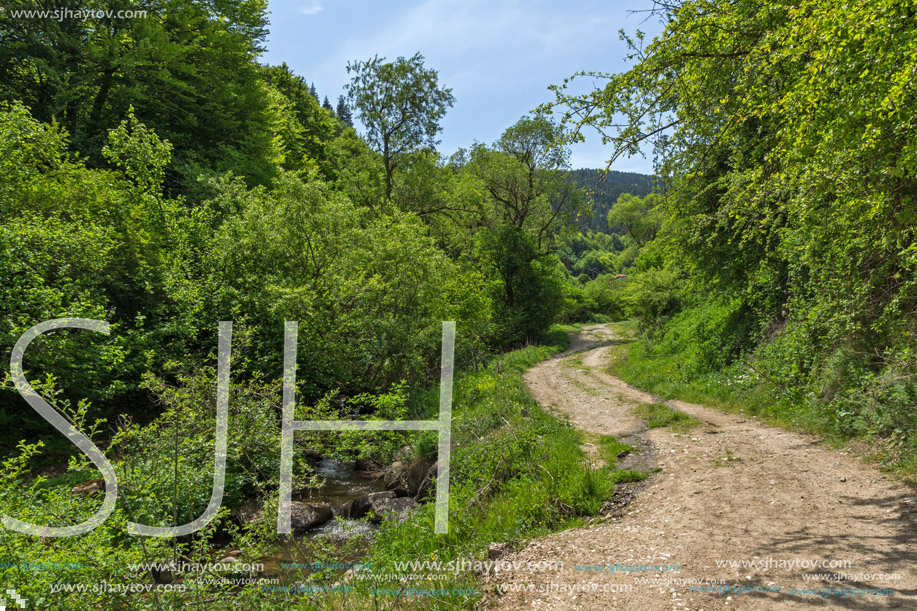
<point>395,477</point>
<point>249,512</point>
<point>304,516</point>
<point>393,509</point>
<point>87,488</point>
<point>362,505</point>
<point>404,454</point>
<point>417,474</point>
<point>408,478</point>
<point>345,510</point>
<point>163,574</point>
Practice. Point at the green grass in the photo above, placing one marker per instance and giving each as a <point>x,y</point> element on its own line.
<point>658,415</point>
<point>516,473</point>
<point>628,475</point>
<point>610,447</point>
<point>671,371</point>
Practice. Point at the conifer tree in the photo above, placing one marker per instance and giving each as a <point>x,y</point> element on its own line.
<point>343,111</point>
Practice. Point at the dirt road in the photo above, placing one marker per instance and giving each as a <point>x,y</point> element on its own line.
<point>786,510</point>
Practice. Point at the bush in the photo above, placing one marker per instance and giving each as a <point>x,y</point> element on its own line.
<point>654,295</point>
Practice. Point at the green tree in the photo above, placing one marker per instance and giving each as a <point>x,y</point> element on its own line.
<point>85,243</point>
<point>343,111</point>
<point>639,218</point>
<point>528,204</point>
<point>400,104</point>
<point>365,288</point>
<point>304,129</point>
<point>85,74</point>
<point>529,293</point>
<point>524,177</point>
<point>450,202</point>
<point>784,139</point>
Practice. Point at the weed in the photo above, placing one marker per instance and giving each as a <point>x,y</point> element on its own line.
<point>628,475</point>
<point>658,415</point>
<point>612,449</point>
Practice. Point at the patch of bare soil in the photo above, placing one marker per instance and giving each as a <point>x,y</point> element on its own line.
<point>759,517</point>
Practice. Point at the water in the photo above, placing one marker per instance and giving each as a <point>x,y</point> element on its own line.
<point>341,484</point>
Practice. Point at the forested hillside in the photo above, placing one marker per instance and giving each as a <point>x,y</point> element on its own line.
<point>281,213</point>
<point>603,188</point>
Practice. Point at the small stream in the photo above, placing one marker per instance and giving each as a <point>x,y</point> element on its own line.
<point>341,484</point>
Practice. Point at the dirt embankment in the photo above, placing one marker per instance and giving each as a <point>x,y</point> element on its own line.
<point>766,518</point>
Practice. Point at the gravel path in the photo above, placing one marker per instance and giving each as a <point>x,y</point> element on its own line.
<point>731,490</point>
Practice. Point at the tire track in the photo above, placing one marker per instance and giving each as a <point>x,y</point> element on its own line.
<point>731,490</point>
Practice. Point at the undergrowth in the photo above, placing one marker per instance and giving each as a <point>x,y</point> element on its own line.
<point>673,367</point>
<point>517,473</point>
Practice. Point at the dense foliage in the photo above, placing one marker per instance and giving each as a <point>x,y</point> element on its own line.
<point>316,227</point>
<point>773,261</point>
<point>786,139</point>
<point>603,188</point>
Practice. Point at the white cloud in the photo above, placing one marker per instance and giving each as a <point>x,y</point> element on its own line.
<point>311,7</point>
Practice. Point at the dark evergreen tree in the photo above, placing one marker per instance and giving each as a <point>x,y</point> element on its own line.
<point>312,91</point>
<point>343,111</point>
<point>327,105</point>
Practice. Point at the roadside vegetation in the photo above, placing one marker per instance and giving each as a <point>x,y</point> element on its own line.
<point>516,473</point>
<point>658,415</point>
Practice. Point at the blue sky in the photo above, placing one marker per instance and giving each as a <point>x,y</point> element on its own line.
<point>498,56</point>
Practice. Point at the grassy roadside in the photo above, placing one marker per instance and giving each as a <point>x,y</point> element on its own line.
<point>744,392</point>
<point>517,473</point>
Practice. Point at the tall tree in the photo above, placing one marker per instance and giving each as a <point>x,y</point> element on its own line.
<point>524,175</point>
<point>400,104</point>
<point>343,111</point>
<point>530,201</point>
<point>327,105</point>
<point>85,74</point>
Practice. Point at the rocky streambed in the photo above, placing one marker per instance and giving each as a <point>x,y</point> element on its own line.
<point>354,498</point>
<point>351,491</point>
